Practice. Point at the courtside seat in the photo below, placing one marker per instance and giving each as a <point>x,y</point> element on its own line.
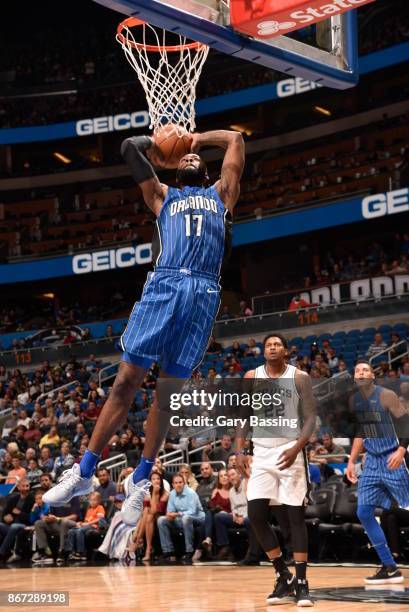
<point>337,533</point>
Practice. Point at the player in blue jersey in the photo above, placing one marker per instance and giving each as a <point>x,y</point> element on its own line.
<point>383,426</point>
<point>174,318</point>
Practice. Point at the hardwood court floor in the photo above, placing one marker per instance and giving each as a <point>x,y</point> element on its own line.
<point>181,588</point>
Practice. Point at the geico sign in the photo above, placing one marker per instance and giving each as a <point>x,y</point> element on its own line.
<point>292,87</point>
<point>115,123</point>
<point>125,257</point>
<point>383,204</point>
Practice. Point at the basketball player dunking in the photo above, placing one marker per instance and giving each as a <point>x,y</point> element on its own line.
<point>279,471</point>
<point>385,476</point>
<point>173,321</point>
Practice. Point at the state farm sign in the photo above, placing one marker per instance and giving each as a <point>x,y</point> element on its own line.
<point>268,18</point>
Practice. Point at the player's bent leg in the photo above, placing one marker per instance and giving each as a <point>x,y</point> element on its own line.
<point>78,480</point>
<point>136,484</point>
<point>259,517</point>
<point>388,573</point>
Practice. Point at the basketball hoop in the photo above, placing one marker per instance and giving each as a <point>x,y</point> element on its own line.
<point>168,73</point>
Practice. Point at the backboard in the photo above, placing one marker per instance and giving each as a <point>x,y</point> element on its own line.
<point>331,60</point>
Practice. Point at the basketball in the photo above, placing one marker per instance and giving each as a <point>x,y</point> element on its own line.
<point>174,142</point>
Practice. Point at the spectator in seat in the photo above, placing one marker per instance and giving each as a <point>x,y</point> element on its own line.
<point>236,351</point>
<point>329,448</point>
<point>237,517</point>
<point>56,522</point>
<point>30,454</point>
<point>214,347</point>
<point>245,310</point>
<point>63,462</point>
<point>67,419</point>
<point>297,303</point>
<point>45,482</point>
<point>219,502</point>
<point>76,535</point>
<point>154,506</point>
<point>16,516</point>
<point>206,484</point>
<point>232,461</point>
<point>188,475</point>
<point>377,346</point>
<point>19,438</point>
<point>225,314</point>
<point>252,350</point>
<point>51,438</point>
<point>33,434</point>
<point>18,472</point>
<point>46,462</point>
<point>10,423</point>
<point>34,472</point>
<point>220,453</point>
<point>79,432</point>
<point>91,415</point>
<point>106,487</point>
<point>184,511</point>
<point>211,373</point>
<point>23,419</point>
<point>333,360</point>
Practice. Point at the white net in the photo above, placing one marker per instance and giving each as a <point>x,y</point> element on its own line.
<point>169,74</point>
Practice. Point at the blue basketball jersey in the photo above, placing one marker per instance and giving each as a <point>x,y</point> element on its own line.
<point>375,422</point>
<point>193,231</point>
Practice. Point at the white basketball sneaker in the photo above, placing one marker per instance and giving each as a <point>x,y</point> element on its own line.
<point>133,504</point>
<point>71,484</point>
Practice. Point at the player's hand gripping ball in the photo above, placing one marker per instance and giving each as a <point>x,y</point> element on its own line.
<point>172,143</point>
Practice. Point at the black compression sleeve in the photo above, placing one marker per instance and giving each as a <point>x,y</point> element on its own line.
<point>132,152</point>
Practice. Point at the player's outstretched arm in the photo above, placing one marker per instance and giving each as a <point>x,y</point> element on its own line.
<point>132,150</point>
<point>233,163</point>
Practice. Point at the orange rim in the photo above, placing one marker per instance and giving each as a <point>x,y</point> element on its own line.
<point>133,22</point>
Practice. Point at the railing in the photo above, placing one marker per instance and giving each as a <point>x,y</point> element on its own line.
<point>326,388</point>
<point>102,374</point>
<point>173,457</point>
<point>57,390</point>
<point>114,465</point>
<point>202,448</point>
<point>388,351</point>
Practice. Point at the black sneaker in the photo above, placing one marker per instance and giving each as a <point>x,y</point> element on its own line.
<point>387,574</point>
<point>283,590</point>
<point>302,594</point>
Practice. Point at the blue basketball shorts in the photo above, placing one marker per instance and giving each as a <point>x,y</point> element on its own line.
<point>380,486</point>
<point>173,321</point>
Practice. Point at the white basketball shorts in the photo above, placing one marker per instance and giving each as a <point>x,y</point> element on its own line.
<point>289,486</point>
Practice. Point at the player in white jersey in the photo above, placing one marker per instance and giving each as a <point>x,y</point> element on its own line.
<point>279,470</point>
